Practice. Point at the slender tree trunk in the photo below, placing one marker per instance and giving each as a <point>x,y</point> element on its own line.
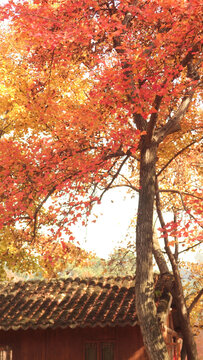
<point>159,257</point>
<point>186,330</point>
<point>146,308</point>
<point>183,352</point>
<point>178,295</point>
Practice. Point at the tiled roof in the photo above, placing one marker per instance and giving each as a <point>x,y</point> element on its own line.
<point>67,303</point>
<point>71,303</point>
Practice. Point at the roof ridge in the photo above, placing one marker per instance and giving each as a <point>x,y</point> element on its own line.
<point>72,279</point>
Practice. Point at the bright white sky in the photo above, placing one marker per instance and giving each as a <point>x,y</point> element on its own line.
<point>115,213</point>
<point>114,216</point>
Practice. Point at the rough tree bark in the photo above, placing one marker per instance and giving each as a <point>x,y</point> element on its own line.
<point>146,308</point>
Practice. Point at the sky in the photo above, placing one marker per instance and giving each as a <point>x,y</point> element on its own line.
<point>114,216</point>
<point>115,213</point>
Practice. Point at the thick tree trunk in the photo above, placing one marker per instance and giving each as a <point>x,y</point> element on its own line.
<point>146,308</point>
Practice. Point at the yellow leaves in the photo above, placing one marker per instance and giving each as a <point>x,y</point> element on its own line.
<point>27,103</point>
<point>3,89</point>
<point>15,255</point>
<point>13,99</point>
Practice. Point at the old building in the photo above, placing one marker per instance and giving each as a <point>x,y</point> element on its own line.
<point>76,319</point>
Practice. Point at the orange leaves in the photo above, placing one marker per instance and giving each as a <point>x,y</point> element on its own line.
<point>184,231</point>
<point>79,81</point>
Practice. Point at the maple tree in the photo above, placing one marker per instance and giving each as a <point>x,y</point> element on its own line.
<point>93,89</point>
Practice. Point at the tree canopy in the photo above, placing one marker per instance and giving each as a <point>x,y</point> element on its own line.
<point>96,94</point>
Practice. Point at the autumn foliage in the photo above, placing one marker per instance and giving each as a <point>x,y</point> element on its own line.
<point>92,92</point>
<point>68,102</point>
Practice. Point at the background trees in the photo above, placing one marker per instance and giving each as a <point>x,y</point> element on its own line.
<point>100,93</point>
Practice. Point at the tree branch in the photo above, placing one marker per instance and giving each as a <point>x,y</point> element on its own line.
<point>163,225</point>
<point>153,118</point>
<point>190,54</point>
<point>159,257</point>
<point>184,206</point>
<point>195,300</point>
<point>191,247</point>
<point>176,253</point>
<point>180,192</point>
<point>39,208</point>
<point>128,184</point>
<point>173,125</point>
<point>114,176</point>
<point>178,153</point>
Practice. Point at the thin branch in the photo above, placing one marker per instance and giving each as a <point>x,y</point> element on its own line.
<point>195,300</point>
<point>2,131</point>
<point>191,247</point>
<point>184,206</point>
<point>118,153</point>
<point>125,185</point>
<point>176,253</point>
<point>39,208</point>
<point>180,193</point>
<point>163,225</point>
<point>52,190</point>
<point>178,153</point>
<point>129,184</point>
<point>173,125</point>
<point>115,176</point>
<point>167,247</point>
